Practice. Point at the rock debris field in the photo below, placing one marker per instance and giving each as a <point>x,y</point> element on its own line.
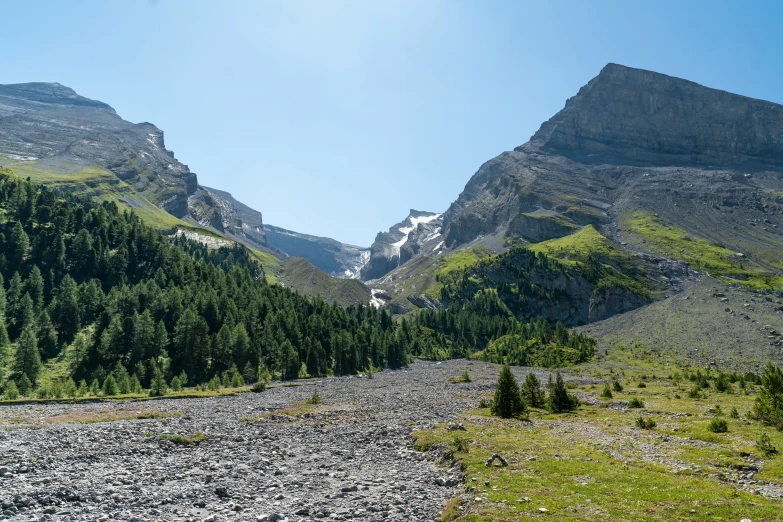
<point>350,458</point>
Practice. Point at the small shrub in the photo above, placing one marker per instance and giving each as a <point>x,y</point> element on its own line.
<point>485,403</point>
<point>641,385</point>
<point>616,386</point>
<point>722,384</point>
<point>607,393</point>
<point>258,387</point>
<point>636,403</point>
<point>465,377</point>
<point>315,398</point>
<point>176,384</point>
<point>460,443</point>
<point>214,384</point>
<point>695,392</point>
<point>718,426</point>
<point>734,414</point>
<point>645,424</point>
<point>765,446</point>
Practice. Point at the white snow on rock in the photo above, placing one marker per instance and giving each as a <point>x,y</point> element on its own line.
<point>414,221</point>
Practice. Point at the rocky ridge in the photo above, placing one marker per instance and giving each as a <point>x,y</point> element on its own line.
<point>420,232</point>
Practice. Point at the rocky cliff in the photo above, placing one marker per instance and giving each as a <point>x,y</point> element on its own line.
<point>632,140</point>
<point>417,232</point>
<point>48,121</point>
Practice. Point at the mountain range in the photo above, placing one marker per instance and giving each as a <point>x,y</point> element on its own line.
<point>664,181</point>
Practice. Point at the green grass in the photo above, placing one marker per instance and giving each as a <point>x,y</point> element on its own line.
<point>269,263</point>
<point>104,186</point>
<point>184,440</point>
<point>596,464</point>
<point>719,262</point>
<point>586,242</point>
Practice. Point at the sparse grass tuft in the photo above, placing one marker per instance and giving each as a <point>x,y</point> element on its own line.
<point>184,440</point>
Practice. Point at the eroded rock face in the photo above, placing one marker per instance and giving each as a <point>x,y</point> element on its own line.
<point>645,116</point>
<point>50,121</point>
<point>418,232</point>
<point>702,159</point>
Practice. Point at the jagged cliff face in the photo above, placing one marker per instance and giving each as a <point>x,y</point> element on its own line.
<point>642,116</point>
<point>420,232</point>
<point>50,122</point>
<point>331,256</point>
<point>705,160</point>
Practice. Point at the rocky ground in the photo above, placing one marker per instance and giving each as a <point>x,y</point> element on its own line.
<point>351,458</point>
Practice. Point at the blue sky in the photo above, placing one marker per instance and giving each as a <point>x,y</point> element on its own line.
<point>334,118</point>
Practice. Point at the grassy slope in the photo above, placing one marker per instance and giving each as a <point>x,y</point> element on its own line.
<point>301,275</point>
<point>668,240</point>
<point>421,274</point>
<point>104,186</point>
<point>595,464</point>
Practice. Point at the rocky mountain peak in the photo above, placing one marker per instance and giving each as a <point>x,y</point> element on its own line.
<point>647,117</point>
<point>24,97</point>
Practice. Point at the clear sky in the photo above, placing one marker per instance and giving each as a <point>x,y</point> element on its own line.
<point>335,118</point>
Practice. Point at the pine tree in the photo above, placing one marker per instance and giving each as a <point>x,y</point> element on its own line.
<point>25,386</point>
<point>11,391</point>
<point>28,360</point>
<point>532,393</point>
<point>110,386</point>
<point>508,402</point>
<point>82,390</point>
<point>47,336</point>
<point>559,399</point>
<point>19,245</point>
<point>125,385</point>
<point>95,387</point>
<point>35,287</point>
<point>290,361</point>
<point>70,389</point>
<point>136,385</point>
<point>176,385</point>
<point>158,386</point>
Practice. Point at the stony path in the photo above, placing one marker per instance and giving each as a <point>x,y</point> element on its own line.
<point>351,460</point>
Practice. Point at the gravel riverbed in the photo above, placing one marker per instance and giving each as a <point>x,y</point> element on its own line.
<point>352,458</point>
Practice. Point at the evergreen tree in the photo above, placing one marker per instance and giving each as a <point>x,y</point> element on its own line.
<point>95,387</point>
<point>532,393</point>
<point>28,359</point>
<point>768,407</point>
<point>110,386</point>
<point>11,391</point>
<point>19,245</point>
<point>508,401</point>
<point>82,390</point>
<point>125,385</point>
<point>25,386</point>
<point>34,286</point>
<point>559,399</point>
<point>158,386</point>
<point>136,385</point>
<point>47,336</point>
<point>290,361</point>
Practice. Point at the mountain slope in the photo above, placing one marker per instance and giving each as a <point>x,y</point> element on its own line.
<point>333,257</point>
<point>666,170</point>
<point>308,280</point>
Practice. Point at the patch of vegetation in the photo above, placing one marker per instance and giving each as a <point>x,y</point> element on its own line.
<point>718,425</point>
<point>719,262</point>
<point>184,440</point>
<point>645,424</point>
<point>464,377</point>
<point>636,403</point>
